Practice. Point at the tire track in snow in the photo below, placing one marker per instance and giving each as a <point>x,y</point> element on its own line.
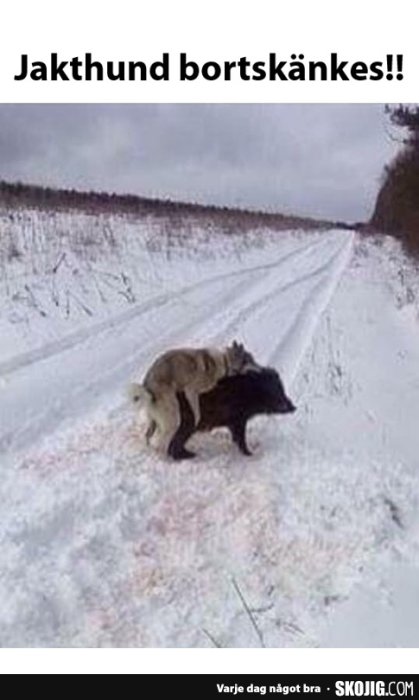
<point>75,339</point>
<point>48,416</point>
<point>287,351</point>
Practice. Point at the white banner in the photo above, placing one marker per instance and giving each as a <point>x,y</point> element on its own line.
<point>218,52</point>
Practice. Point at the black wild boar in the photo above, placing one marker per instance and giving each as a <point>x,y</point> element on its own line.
<point>230,404</point>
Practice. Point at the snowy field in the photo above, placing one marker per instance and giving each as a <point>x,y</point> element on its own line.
<point>102,543</point>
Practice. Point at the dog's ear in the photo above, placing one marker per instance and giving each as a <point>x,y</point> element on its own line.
<point>238,347</point>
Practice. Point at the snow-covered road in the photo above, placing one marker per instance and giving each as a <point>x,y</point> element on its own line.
<point>273,306</point>
<point>103,543</point>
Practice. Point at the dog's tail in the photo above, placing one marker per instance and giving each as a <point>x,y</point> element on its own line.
<point>139,394</point>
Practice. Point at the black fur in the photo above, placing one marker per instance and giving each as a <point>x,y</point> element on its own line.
<point>231,404</point>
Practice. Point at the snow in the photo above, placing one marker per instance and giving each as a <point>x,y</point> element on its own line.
<point>102,542</point>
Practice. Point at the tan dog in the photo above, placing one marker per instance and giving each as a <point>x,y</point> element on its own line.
<point>193,371</point>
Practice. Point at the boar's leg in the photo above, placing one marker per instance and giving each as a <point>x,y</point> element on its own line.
<point>178,452</point>
<point>177,448</point>
<point>238,433</point>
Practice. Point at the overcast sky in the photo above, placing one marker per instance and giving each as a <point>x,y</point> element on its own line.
<point>318,160</point>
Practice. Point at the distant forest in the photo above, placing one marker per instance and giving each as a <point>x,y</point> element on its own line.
<point>397,206</point>
<point>15,195</point>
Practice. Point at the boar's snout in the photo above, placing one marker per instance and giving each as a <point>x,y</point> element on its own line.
<point>286,405</point>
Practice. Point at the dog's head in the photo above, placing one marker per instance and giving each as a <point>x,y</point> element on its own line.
<point>239,360</point>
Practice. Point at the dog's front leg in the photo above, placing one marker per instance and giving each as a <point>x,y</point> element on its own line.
<point>193,400</point>
<point>151,429</point>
